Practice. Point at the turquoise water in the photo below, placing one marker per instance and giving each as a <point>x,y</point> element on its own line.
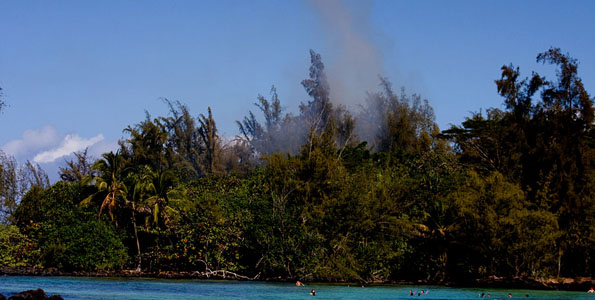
<point>72,288</point>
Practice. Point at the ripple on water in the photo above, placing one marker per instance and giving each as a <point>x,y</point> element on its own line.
<point>85,288</point>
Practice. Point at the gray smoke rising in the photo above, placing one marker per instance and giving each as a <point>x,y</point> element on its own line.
<point>349,72</point>
<point>355,62</point>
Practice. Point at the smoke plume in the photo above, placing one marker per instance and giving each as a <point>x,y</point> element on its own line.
<point>355,62</point>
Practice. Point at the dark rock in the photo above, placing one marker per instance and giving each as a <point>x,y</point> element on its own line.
<point>37,294</point>
<point>56,297</point>
<point>2,297</point>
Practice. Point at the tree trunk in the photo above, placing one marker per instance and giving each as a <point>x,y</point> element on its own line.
<point>559,261</point>
<point>444,262</point>
<point>138,268</point>
<point>587,264</point>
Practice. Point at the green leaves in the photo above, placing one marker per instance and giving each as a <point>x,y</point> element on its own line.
<point>507,193</point>
<point>57,232</point>
<point>543,148</point>
<point>16,248</point>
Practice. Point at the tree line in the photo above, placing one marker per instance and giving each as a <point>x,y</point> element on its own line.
<point>328,194</point>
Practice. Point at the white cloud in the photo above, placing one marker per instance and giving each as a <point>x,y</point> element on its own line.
<point>71,143</point>
<point>32,141</point>
<point>51,149</point>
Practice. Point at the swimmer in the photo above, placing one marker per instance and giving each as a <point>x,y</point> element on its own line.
<point>299,283</point>
<point>313,293</point>
<point>591,291</point>
<point>509,295</point>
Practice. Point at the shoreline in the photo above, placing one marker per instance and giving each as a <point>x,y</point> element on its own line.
<point>568,284</point>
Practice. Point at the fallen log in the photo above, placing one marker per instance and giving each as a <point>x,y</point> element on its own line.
<point>224,274</point>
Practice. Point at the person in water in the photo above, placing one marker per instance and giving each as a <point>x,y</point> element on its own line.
<point>509,295</point>
<point>313,293</point>
<point>591,291</point>
<point>299,283</point>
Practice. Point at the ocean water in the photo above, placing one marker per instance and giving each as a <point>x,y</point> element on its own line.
<point>76,288</point>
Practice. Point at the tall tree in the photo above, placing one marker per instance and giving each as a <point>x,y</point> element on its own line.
<point>567,116</point>
<point>546,146</point>
<point>184,140</point>
<point>15,182</point>
<point>263,139</point>
<point>211,142</point>
<point>163,198</point>
<point>35,175</point>
<point>111,189</point>
<point>271,137</point>
<point>141,189</point>
<point>397,123</point>
<point>147,144</point>
<point>76,171</point>
<point>12,187</point>
<point>317,111</point>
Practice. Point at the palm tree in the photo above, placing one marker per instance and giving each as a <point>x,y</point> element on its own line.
<point>164,196</point>
<point>437,230</point>
<point>113,191</point>
<point>109,183</point>
<point>141,179</point>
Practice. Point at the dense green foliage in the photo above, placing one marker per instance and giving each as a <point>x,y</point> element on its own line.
<point>68,236</point>
<point>376,195</point>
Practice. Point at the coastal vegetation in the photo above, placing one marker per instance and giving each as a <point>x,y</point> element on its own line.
<point>328,194</point>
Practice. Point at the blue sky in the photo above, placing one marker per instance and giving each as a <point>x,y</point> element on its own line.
<point>75,73</point>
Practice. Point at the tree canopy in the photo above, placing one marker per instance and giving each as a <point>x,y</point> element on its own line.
<point>371,195</point>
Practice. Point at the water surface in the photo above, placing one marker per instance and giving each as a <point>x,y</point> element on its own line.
<point>77,288</point>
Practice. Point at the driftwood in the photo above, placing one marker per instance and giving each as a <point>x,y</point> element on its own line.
<point>225,275</point>
<point>222,273</point>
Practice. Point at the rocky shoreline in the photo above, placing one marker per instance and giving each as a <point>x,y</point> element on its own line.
<point>570,284</point>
